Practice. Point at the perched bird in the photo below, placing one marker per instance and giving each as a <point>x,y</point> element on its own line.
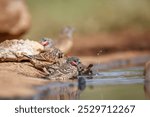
<point>66,70</point>
<point>71,65</point>
<point>45,58</point>
<point>64,43</point>
<point>13,50</point>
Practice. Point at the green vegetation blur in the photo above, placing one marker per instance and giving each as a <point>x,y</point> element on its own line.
<point>87,16</point>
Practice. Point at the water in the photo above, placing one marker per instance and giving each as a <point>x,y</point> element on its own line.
<point>125,83</point>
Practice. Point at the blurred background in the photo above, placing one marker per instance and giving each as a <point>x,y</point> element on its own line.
<point>100,25</point>
<point>87,16</point>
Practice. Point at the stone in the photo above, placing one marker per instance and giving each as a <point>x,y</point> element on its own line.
<point>14,19</point>
<point>13,50</point>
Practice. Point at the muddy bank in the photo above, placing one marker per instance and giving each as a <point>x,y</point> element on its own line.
<point>17,80</point>
<point>17,86</point>
<point>22,68</point>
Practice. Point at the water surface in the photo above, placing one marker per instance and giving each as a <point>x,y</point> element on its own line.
<point>117,84</point>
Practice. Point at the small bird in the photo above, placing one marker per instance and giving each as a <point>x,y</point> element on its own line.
<point>50,55</point>
<point>82,69</point>
<point>45,58</point>
<point>64,43</point>
<point>66,70</point>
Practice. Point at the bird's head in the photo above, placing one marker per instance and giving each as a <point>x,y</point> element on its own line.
<point>67,32</point>
<point>73,61</point>
<point>47,42</point>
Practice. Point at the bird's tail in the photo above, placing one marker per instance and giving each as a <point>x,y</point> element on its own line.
<point>90,66</point>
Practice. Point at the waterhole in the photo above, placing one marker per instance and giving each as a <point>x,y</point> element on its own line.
<point>123,84</point>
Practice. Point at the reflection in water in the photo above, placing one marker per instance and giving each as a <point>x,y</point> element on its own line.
<point>62,91</point>
<point>81,83</point>
<point>147,89</point>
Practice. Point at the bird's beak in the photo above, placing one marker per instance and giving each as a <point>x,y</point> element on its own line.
<point>45,43</point>
<point>73,63</point>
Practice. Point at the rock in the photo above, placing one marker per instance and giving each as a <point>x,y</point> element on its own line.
<point>147,71</point>
<point>18,80</point>
<point>18,86</point>
<point>23,69</point>
<point>13,50</point>
<point>14,19</point>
